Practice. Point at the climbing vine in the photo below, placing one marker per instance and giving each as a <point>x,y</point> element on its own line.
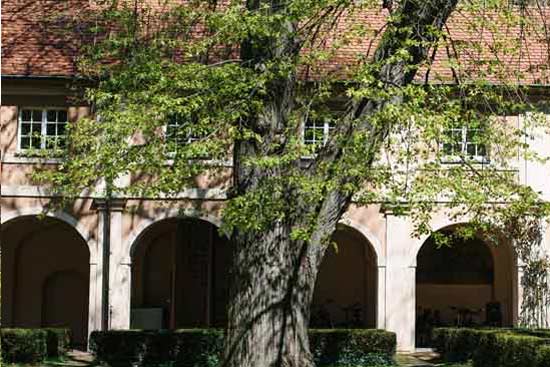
<point>534,264</point>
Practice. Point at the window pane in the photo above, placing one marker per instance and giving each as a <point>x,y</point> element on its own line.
<point>471,149</point>
<point>481,150</point>
<point>52,116</point>
<point>25,143</point>
<point>36,115</point>
<point>61,142</point>
<point>26,115</point>
<point>50,142</point>
<point>61,129</point>
<point>36,128</point>
<point>35,143</point>
<point>25,129</point>
<point>50,130</point>
<point>62,116</point>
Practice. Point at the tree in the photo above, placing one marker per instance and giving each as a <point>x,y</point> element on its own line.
<point>240,79</point>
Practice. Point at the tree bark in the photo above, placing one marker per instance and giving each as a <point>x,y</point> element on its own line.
<point>273,276</point>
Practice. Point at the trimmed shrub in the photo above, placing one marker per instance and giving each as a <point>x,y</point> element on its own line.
<point>507,350</point>
<point>203,347</point>
<point>189,348</point>
<point>494,347</point>
<point>458,344</point>
<point>352,347</point>
<point>543,356</point>
<point>58,341</point>
<point>23,345</point>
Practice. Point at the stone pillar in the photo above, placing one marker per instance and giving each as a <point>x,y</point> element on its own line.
<point>381,298</point>
<point>120,272</point>
<point>97,311</point>
<point>117,266</point>
<point>400,281</point>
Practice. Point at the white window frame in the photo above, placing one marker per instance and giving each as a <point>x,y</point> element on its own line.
<point>326,132</point>
<point>43,126</point>
<point>464,144</point>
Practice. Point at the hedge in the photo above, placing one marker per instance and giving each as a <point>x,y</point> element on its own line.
<point>508,350</point>
<point>543,356</point>
<point>494,347</point>
<point>200,347</point>
<point>203,347</point>
<point>352,347</point>
<point>33,345</point>
<point>23,345</point>
<point>458,344</point>
<point>58,341</point>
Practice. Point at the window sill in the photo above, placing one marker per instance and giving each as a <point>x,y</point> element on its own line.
<point>22,158</point>
<point>457,160</point>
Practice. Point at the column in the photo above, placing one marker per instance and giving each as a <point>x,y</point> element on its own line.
<point>116,266</point>
<point>120,271</point>
<point>97,314</point>
<point>400,281</point>
<point>381,299</point>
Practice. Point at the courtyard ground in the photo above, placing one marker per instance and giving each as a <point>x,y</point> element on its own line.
<point>422,358</point>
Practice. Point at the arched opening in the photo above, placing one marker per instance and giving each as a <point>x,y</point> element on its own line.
<point>346,290</point>
<point>463,283</point>
<point>179,276</point>
<point>45,276</point>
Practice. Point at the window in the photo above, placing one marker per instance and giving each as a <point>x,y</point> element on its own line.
<point>42,128</point>
<point>464,142</point>
<point>180,132</point>
<point>317,133</point>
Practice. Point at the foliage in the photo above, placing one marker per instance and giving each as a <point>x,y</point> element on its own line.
<point>335,347</point>
<point>527,233</point>
<point>245,78</point>
<point>493,347</point>
<point>458,344</point>
<point>58,341</point>
<point>23,345</point>
<point>507,350</point>
<point>33,345</point>
<point>204,347</point>
<point>187,61</point>
<point>543,356</point>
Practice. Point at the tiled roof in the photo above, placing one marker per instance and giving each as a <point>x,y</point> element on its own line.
<point>36,42</point>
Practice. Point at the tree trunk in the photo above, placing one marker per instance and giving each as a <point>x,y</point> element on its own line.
<point>270,301</point>
<point>273,277</point>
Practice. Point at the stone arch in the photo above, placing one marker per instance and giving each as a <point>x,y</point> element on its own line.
<point>86,235</point>
<point>481,291</point>
<point>35,251</point>
<point>347,287</point>
<point>147,222</point>
<point>179,273</point>
<point>371,238</point>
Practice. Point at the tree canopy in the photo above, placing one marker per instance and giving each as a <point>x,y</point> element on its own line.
<point>317,105</point>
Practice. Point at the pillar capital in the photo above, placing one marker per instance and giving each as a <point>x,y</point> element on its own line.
<point>113,205</point>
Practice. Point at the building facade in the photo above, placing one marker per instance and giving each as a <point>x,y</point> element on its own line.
<point>151,263</point>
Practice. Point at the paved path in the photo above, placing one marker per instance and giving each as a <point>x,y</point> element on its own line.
<point>420,358</point>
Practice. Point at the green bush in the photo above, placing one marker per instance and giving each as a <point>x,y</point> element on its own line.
<point>507,350</point>
<point>33,345</point>
<point>58,341</point>
<point>23,345</point>
<point>194,348</point>
<point>494,347</point>
<point>458,344</point>
<point>352,347</point>
<point>543,356</point>
<point>189,348</point>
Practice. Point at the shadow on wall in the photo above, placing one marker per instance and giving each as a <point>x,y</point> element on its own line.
<point>45,276</point>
